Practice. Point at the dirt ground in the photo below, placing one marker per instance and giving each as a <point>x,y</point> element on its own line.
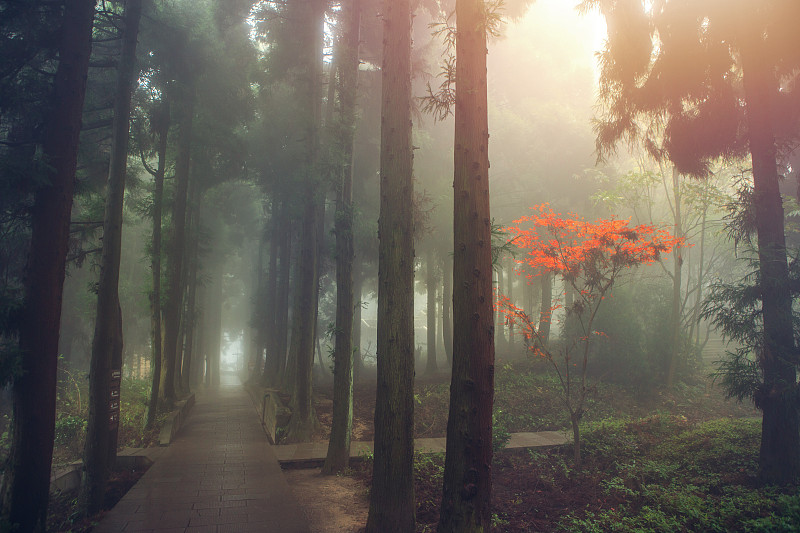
<point>333,504</point>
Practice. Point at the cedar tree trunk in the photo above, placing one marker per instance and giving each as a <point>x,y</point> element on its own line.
<point>309,15</point>
<point>107,332</point>
<point>267,325</point>
<point>27,477</point>
<point>779,459</point>
<point>176,251</point>
<point>431,284</point>
<point>391,505</point>
<point>467,485</point>
<point>160,124</point>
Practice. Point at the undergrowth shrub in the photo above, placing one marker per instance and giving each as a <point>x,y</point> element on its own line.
<point>664,474</point>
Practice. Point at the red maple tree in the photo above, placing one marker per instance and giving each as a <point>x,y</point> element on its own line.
<point>590,257</point>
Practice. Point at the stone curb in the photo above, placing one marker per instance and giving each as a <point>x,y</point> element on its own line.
<point>175,420</point>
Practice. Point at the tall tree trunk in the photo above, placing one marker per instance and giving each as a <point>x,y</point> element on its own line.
<point>160,125</point>
<point>258,339</point>
<point>27,478</point>
<point>779,459</point>
<point>189,352</point>
<point>268,323</point>
<point>677,280</point>
<point>175,257</point>
<point>310,15</point>
<point>432,284</point>
<point>116,397</point>
<point>447,302</point>
<point>282,305</point>
<point>338,456</point>
<point>467,483</point>
<point>301,424</point>
<point>391,506</point>
<point>201,342</point>
<point>107,320</point>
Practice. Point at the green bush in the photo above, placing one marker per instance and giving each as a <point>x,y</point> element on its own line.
<point>70,430</point>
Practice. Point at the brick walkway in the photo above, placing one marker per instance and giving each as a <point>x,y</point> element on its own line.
<point>219,475</point>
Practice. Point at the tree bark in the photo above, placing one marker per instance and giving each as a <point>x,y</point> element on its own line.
<point>311,31</point>
<point>358,358</point>
<point>27,479</point>
<point>779,459</point>
<point>160,125</point>
<point>282,306</point>
<point>391,507</point>
<point>116,369</point>
<point>301,424</point>
<point>432,284</point>
<point>176,251</point>
<point>467,485</point>
<point>190,320</point>
<point>338,456</point>
<point>268,324</point>
<point>107,332</point>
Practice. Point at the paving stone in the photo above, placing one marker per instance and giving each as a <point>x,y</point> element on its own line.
<point>218,475</point>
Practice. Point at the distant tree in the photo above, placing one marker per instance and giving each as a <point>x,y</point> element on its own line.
<point>306,20</point>
<point>391,507</point>
<point>447,305</point>
<point>26,481</point>
<point>590,256</point>
<point>431,284</point>
<point>719,79</point>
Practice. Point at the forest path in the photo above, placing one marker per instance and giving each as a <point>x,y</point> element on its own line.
<point>218,475</point>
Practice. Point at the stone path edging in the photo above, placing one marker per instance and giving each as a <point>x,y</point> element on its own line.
<point>312,454</point>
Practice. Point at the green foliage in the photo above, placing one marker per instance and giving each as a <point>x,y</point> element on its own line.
<point>663,474</point>
<point>500,433</point>
<point>70,430</point>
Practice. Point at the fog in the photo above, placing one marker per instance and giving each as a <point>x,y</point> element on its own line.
<point>596,264</point>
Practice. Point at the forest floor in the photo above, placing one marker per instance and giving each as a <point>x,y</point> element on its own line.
<point>680,460</point>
